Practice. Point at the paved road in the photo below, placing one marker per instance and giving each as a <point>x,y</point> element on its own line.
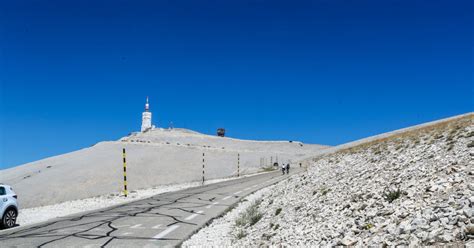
<point>163,220</point>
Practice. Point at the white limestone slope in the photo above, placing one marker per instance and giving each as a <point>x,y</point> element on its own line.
<point>413,187</point>
<point>158,157</point>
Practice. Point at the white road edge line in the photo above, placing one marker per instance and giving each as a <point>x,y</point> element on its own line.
<point>227,197</point>
<point>238,192</point>
<point>192,216</point>
<point>166,232</point>
<point>156,227</point>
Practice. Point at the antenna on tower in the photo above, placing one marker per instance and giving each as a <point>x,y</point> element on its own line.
<point>147,105</point>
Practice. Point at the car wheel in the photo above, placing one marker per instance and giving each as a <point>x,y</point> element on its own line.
<point>9,218</point>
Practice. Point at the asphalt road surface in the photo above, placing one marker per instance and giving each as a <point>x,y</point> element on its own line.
<point>163,220</point>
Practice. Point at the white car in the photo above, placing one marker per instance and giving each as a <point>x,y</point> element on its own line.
<point>8,206</point>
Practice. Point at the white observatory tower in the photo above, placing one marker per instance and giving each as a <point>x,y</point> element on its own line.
<point>146,117</point>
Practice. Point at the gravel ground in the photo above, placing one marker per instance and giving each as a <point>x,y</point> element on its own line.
<point>414,188</point>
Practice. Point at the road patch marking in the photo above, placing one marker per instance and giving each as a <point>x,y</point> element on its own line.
<point>192,216</point>
<point>227,197</point>
<point>166,232</point>
<point>137,226</point>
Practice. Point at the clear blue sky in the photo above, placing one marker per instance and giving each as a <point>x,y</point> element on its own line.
<point>74,73</point>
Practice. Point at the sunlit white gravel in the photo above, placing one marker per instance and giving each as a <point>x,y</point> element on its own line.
<point>219,232</point>
<point>411,189</point>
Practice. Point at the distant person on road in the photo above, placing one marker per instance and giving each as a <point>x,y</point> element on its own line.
<point>288,168</point>
<point>283,167</point>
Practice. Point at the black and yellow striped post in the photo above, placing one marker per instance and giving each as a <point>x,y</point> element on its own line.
<point>238,164</point>
<point>125,191</point>
<point>203,163</point>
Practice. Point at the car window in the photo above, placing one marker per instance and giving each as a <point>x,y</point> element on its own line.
<point>2,191</point>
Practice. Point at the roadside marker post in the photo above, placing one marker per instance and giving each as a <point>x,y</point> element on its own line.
<point>125,191</point>
<point>203,165</point>
<point>238,164</point>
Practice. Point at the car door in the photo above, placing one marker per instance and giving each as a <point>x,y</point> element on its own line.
<point>3,199</point>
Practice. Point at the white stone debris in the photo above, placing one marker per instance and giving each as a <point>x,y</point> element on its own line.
<point>414,188</point>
